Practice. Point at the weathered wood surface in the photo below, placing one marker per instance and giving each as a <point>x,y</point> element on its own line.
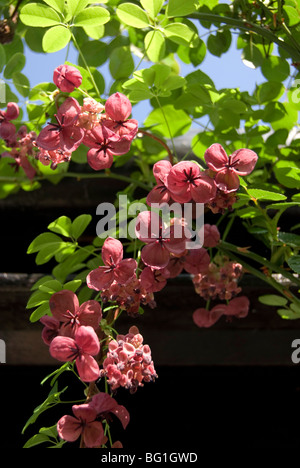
<point>261,339</point>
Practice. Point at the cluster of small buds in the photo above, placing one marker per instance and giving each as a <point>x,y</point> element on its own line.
<point>90,114</point>
<point>222,202</point>
<point>128,362</point>
<point>129,297</point>
<point>219,281</point>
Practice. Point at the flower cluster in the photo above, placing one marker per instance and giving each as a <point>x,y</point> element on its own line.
<point>128,363</point>
<point>71,332</point>
<point>219,280</point>
<point>20,142</point>
<point>88,418</point>
<point>105,129</point>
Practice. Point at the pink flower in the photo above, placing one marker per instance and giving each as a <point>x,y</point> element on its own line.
<point>211,235</point>
<point>160,193</point>
<point>64,306</point>
<point>54,157</point>
<point>204,318</point>
<point>229,168</point>
<point>152,280</point>
<point>86,421</point>
<point>51,328</point>
<point>160,241</point>
<point>84,424</point>
<point>64,134</point>
<point>81,348</point>
<point>67,78</point>
<point>115,267</point>
<point>186,182</point>
<point>239,307</point>
<point>118,109</point>
<point>8,129</point>
<point>104,145</point>
<point>104,404</point>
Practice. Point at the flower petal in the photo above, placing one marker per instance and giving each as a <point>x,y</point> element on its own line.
<point>93,434</point>
<point>88,368</point>
<point>62,301</point>
<point>100,278</point>
<point>112,251</point>
<point>155,255</point>
<point>99,160</point>
<point>227,180</point>
<point>118,107</point>
<point>87,340</point>
<point>90,313</point>
<point>69,428</point>
<point>125,270</point>
<point>63,348</point>
<point>244,161</point>
<point>216,157</point>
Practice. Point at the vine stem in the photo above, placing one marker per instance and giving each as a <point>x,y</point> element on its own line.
<point>170,155</point>
<point>77,176</point>
<point>85,64</point>
<point>229,249</point>
<point>245,25</point>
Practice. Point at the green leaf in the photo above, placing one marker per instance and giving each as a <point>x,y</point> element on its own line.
<point>58,5</point>
<point>36,440</point>
<point>155,46</point>
<point>94,16</point>
<point>95,32</point>
<point>273,300</point>
<point>153,7</point>
<point>52,400</point>
<point>181,8</point>
<point>121,63</point>
<point>56,38</point>
<point>72,285</point>
<point>269,91</point>
<point>291,15</point>
<point>21,83</point>
<point>2,57</point>
<point>38,313</point>
<point>168,122</point>
<point>43,240</point>
<point>265,195</point>
<point>51,286</point>
<point>80,224</point>
<point>132,15</point>
<point>289,238</point>
<point>42,280</point>
<point>37,298</point>
<point>38,15</point>
<point>219,43</point>
<point>287,173</point>
<point>275,68</point>
<point>288,314</point>
<point>76,6</point>
<point>179,33</point>
<point>294,263</point>
<point>15,64</point>
<point>61,225</point>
